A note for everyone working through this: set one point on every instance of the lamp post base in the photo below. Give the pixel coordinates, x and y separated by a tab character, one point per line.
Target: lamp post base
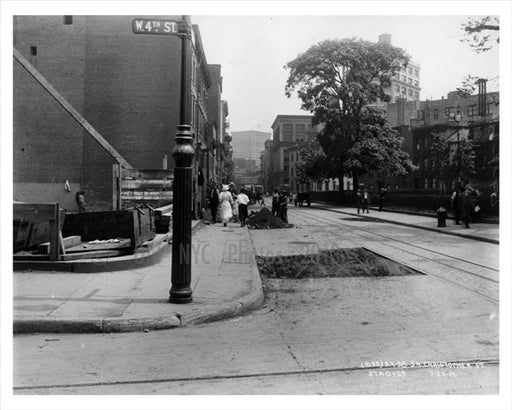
180	296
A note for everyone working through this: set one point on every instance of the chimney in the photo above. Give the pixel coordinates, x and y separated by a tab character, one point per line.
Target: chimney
385	39
482	96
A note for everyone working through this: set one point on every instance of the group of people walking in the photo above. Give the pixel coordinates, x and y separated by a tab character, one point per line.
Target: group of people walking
229	204
465	204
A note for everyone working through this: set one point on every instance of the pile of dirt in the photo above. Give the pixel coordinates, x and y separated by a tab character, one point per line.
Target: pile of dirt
264	219
332	263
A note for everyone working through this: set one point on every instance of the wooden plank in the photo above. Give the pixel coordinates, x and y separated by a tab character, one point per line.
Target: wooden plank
124	243
54	234
159	174
146	184
69	108
116	187
94	254
68	242
25	256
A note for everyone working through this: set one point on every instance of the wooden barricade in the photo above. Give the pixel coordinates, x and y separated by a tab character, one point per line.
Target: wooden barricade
38	223
141	187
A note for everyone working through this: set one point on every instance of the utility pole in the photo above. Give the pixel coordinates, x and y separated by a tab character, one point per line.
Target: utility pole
183	154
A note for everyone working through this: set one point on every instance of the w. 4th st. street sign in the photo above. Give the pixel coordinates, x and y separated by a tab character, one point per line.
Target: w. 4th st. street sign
152	26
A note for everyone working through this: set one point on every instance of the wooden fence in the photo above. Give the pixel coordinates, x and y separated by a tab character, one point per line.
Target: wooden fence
141	187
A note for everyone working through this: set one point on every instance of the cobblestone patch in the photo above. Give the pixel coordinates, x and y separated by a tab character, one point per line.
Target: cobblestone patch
332	263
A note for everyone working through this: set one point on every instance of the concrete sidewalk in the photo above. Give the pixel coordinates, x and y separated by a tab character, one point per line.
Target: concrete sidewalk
225	283
478	231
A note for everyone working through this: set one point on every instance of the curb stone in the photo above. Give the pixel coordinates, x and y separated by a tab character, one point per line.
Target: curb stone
238	307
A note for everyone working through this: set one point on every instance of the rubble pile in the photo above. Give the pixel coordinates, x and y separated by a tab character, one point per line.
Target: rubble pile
264	219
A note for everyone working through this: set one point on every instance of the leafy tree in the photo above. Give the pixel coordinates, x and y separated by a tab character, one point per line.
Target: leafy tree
314	164
450	162
481	33
337	81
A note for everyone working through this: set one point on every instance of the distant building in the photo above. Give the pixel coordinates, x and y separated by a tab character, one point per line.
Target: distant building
249	144
406	83
265	165
417	121
289	133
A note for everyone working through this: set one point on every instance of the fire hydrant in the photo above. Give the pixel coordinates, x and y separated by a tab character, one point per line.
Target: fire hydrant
441	217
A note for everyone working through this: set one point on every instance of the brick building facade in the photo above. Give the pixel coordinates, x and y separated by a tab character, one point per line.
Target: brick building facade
126	85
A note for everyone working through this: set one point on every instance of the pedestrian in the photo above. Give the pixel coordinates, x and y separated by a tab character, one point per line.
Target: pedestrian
226	203
275	203
456	199
466	206
213	200
243	202
365	201
235	207
359	200
80	200
283	206
382	196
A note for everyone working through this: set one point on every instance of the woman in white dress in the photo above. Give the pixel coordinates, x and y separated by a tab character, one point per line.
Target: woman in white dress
226	203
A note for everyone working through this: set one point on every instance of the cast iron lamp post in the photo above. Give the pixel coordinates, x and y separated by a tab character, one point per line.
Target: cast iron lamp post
183	154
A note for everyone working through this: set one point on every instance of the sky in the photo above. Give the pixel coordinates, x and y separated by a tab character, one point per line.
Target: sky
253	50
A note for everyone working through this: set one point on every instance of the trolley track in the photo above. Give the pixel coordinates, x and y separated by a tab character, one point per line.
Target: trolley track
459	273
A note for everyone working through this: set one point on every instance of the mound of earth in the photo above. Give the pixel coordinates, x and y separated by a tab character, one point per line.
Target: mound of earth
264	219
332	263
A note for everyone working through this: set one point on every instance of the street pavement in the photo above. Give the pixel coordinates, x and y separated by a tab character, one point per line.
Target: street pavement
431	333
225	281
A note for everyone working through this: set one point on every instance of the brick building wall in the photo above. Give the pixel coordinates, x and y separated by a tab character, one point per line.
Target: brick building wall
126	85
132	99
47	143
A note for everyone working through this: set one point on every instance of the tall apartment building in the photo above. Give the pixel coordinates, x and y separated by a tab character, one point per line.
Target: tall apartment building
125	83
406	83
249	144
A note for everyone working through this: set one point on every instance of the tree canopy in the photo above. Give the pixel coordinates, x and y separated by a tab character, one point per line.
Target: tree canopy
481	34
338	81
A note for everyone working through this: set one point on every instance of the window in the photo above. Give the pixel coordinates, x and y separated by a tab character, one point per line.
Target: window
403	78
68	20
489	108
416	95
410	92
33	50
418	144
436	113
472	110
448	111
397	88
409	70
416	83
403	90
416	74
409	80
300	132
287	132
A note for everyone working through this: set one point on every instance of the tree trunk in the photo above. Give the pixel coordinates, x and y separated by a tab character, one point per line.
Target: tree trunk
355	178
